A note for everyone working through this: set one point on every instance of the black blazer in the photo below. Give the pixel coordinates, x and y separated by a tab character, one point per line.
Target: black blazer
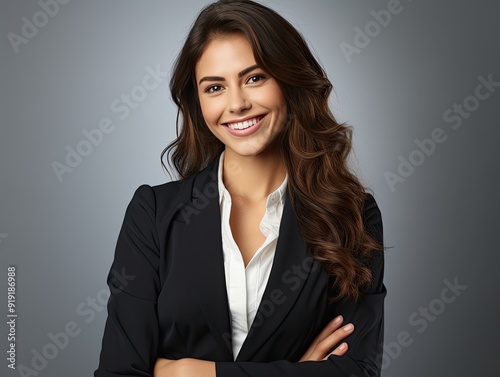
168	293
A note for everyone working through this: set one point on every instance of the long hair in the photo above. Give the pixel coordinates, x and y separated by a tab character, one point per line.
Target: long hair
326	197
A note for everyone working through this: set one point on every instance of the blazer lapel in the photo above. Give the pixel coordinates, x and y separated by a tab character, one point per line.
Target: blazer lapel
290	271
203	244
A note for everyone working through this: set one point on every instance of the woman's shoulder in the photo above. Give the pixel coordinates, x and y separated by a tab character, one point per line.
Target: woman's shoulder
165	198
153	192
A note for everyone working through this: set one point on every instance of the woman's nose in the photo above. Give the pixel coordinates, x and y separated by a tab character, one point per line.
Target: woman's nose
238	101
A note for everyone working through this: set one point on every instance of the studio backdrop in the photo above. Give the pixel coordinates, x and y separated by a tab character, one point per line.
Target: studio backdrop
86	111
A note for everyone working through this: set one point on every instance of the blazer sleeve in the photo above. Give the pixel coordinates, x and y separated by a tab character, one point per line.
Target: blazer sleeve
364	356
130	341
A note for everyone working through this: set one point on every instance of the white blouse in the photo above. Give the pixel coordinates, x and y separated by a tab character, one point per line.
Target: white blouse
245	286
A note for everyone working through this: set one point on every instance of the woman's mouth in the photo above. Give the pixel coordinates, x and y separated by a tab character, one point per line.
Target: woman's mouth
245	124
245	127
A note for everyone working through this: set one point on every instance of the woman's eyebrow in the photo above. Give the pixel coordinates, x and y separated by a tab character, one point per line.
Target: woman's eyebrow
219	78
248	70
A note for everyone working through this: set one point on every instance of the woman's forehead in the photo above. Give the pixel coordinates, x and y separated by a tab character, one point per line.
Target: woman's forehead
225	56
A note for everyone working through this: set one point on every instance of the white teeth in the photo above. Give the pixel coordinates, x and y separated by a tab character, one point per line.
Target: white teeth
243	125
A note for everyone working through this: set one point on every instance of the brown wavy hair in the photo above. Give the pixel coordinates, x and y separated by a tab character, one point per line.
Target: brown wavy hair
326	197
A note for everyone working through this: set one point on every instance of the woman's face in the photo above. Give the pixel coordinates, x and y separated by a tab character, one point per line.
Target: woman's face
242	105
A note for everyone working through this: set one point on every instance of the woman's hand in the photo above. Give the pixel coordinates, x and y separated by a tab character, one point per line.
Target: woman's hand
332	334
164	367
184	368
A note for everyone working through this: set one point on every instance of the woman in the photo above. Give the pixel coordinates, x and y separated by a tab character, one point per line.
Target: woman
265	258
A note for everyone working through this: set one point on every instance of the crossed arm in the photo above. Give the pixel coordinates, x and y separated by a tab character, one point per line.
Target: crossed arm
325	344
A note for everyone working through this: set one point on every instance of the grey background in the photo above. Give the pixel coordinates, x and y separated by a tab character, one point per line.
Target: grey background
441	222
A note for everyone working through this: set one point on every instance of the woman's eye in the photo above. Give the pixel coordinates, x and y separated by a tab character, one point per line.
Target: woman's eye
255	78
213	89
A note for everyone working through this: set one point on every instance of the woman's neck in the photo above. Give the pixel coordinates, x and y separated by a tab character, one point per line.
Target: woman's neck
252	178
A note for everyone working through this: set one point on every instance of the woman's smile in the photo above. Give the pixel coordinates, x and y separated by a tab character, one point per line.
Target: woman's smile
245	127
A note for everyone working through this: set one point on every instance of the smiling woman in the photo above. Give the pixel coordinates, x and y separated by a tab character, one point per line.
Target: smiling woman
280	272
